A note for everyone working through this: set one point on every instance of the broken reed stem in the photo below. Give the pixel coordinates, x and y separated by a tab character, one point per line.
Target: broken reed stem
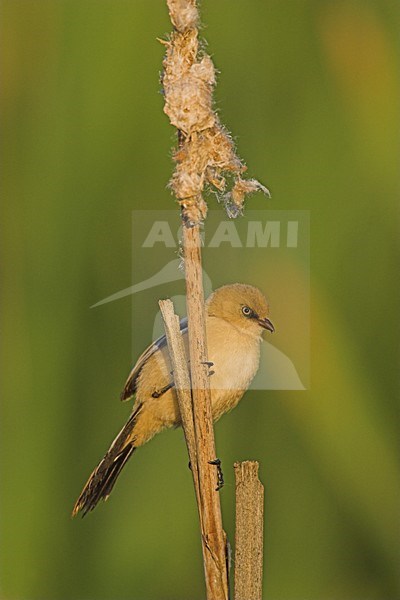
195	408
181	377
249	531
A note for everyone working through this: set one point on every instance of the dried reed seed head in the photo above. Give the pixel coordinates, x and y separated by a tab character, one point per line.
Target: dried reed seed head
206	150
187	84
186	184
194	210
211	148
222	150
183	14
204	70
188	105
234	200
215	179
182	50
243	187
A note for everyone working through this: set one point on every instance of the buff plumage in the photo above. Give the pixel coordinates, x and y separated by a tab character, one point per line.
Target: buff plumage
236	317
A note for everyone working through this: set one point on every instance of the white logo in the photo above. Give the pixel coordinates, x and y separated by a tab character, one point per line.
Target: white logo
272	234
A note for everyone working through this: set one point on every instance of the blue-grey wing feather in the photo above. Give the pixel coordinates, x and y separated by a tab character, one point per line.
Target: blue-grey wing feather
161	342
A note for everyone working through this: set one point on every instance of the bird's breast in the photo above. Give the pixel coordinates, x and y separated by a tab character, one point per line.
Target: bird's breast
235	357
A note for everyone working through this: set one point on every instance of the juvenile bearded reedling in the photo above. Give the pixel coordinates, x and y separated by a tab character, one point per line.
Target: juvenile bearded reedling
236	316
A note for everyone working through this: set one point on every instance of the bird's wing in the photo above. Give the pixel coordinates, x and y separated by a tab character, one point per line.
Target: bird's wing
130	385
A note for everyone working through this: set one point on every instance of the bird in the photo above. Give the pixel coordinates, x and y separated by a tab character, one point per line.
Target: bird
236	316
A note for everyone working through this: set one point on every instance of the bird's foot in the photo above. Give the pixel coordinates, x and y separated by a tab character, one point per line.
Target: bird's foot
158	393
220	475
209	365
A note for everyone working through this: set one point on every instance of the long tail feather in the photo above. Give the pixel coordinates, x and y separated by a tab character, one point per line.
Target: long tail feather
102	480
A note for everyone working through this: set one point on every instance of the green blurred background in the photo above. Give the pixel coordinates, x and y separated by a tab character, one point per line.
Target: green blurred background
309	89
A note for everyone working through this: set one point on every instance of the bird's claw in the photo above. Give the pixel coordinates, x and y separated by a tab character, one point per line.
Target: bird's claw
209	364
220	475
158	393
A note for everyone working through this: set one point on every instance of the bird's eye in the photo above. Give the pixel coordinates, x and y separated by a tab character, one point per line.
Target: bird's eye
246	310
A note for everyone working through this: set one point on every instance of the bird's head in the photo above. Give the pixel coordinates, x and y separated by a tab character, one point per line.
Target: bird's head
244	306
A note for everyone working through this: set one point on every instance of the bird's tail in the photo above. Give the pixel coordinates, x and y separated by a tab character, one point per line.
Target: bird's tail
102	480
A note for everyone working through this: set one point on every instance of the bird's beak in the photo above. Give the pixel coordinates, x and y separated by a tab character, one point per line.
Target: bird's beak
266	324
